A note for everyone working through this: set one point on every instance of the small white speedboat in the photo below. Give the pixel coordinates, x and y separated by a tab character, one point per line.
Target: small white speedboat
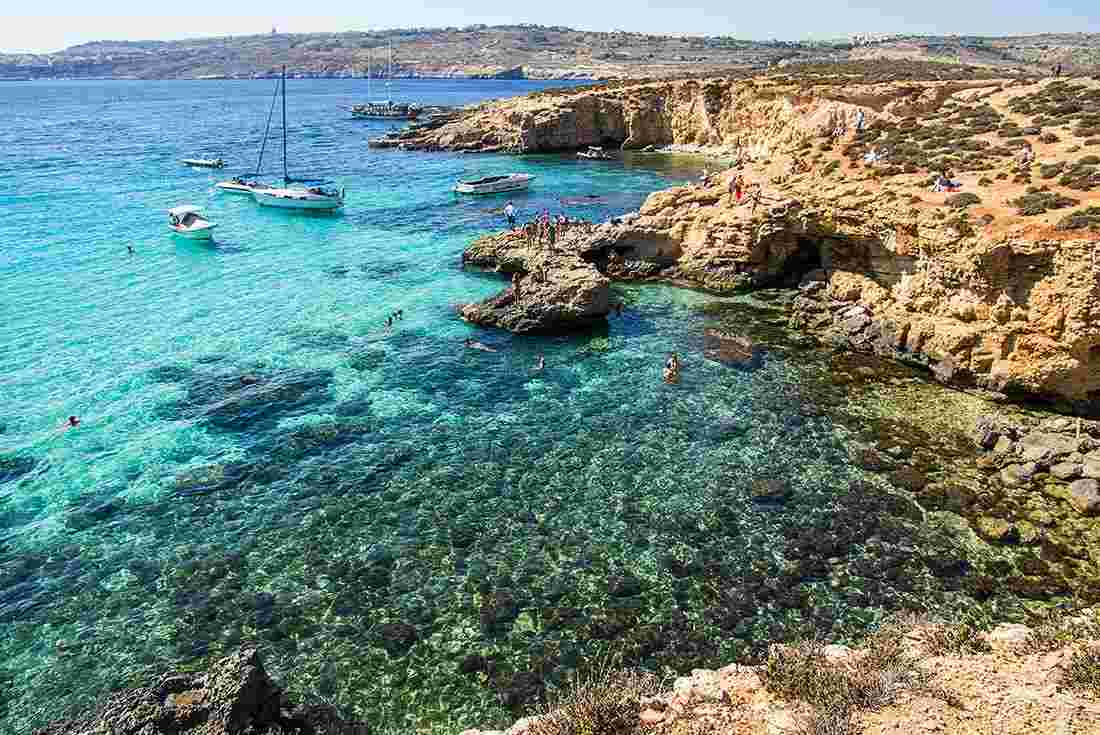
238	185
187	220
596	153
204	162
494	184
300	197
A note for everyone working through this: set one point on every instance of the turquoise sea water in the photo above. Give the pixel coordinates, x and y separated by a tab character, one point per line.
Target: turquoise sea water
416	532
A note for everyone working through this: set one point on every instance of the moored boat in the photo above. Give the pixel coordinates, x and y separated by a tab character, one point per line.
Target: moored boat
300	197
595	153
385	111
388	109
307	193
495	184
187	220
240	185
203	162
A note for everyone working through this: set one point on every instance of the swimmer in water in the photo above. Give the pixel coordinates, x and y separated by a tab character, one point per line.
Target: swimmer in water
70	423
473	345
540	364
130	249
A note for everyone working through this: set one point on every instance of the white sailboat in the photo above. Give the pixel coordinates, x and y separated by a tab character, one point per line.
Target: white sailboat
298	193
248	183
387	110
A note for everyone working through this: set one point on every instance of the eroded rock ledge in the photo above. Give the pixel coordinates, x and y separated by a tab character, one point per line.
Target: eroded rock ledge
235	697
552	291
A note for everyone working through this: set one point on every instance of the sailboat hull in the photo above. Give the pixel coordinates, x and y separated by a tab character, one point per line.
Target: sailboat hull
297	199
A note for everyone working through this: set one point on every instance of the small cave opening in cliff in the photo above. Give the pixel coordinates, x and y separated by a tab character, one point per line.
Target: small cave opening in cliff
807	258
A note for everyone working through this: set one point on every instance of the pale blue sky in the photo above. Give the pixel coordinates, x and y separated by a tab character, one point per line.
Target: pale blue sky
69	22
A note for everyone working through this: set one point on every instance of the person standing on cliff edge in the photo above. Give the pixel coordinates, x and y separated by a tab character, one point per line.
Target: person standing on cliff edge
510	213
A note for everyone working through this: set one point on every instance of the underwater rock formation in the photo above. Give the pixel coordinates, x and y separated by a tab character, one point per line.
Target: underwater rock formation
233	698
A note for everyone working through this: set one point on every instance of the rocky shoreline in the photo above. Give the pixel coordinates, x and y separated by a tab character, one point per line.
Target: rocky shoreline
983	291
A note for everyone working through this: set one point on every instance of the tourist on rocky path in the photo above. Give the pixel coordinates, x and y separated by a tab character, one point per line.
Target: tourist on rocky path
737	184
859	121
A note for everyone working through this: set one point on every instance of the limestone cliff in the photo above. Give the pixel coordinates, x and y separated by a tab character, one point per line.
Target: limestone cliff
997	287
760	116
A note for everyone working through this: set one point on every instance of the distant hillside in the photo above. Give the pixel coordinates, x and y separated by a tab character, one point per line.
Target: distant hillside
514	52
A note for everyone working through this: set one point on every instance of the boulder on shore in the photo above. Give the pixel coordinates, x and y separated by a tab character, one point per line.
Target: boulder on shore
235	697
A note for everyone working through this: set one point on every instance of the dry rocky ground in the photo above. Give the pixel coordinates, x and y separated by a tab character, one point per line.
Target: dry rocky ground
914	678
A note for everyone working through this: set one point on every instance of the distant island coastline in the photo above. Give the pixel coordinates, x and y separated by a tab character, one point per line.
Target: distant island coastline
522	52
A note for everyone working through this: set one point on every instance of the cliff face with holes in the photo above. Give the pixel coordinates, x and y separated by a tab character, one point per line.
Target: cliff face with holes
992	291
878	274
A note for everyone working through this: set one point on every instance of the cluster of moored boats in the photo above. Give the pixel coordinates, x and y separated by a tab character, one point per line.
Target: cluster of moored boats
317	194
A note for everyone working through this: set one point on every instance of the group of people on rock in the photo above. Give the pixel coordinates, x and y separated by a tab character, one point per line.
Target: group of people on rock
546	229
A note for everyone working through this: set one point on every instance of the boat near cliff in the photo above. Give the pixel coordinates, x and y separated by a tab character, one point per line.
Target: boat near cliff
495	184
387	109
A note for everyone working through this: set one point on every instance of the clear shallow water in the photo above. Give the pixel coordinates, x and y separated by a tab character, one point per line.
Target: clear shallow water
412	530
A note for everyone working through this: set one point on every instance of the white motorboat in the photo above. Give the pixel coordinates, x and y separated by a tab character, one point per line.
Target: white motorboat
187	220
300	197
298	193
595	153
204	162
240	185
495	184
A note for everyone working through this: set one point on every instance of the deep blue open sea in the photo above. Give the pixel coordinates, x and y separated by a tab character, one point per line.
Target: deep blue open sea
421	534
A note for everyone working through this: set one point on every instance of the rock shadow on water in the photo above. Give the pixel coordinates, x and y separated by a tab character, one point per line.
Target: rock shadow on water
240	401
318	339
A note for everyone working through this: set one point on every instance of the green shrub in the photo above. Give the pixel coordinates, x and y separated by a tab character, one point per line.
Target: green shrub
1048	138
1050	170
985	181
1039	202
1089	161
962	200
1080	220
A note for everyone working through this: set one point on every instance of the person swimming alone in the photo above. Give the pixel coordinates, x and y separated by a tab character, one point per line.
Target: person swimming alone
474	345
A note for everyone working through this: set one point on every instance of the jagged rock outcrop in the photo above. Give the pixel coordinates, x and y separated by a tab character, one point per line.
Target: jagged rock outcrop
879	274
552	291
235	697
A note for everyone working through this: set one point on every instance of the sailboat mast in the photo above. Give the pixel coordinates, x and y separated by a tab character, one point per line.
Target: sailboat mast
369	98
267	129
286	176
389	74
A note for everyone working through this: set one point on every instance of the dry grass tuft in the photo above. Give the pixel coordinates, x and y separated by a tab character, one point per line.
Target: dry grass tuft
837	691
1083	672
958	639
605	701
